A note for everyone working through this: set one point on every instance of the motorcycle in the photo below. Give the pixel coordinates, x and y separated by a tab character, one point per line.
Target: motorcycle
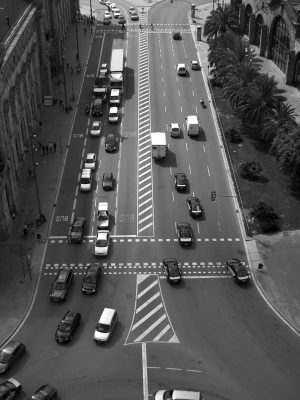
203	105
87	109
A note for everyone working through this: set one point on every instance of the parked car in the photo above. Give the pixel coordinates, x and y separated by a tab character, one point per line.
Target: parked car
61	284
102	243
10	389
107	180
177	395
194	206
44	392
91	279
181	181
103	69
77	230
67	327
172	270
184	233
9	354
110	143
237	270
90	161
177	36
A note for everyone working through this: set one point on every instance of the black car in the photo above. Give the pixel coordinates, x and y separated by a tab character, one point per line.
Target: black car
10	389
9	354
172	270
184	233
181	181
45	392
67	327
110	143
107	180
61	284
177	36
194	206
122	20
91	279
77	229
238	270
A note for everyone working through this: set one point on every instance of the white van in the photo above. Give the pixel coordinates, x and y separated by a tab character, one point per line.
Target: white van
115	97
192	125
86	180
106	324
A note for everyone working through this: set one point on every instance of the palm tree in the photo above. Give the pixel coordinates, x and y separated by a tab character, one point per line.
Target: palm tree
233	92
219	21
260	99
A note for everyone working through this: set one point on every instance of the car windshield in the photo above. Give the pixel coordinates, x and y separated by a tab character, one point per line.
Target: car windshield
167	395
90	279
113	115
4	356
59	286
89	160
85	180
76	229
102	328
65	326
101	243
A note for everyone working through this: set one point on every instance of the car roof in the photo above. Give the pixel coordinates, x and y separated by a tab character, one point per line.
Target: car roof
107	174
181	65
11	346
102	234
113	109
114	91
62	274
96	123
93	267
78	220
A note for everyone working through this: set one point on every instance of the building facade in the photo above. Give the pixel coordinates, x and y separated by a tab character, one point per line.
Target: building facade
30	34
274	27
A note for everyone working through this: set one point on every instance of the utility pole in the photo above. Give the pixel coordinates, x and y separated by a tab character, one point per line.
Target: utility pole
91	10
64	75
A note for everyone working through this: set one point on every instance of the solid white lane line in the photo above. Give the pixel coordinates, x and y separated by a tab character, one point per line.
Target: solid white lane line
145	372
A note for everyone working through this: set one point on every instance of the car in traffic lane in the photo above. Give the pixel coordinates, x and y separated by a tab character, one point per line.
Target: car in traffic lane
61	284
172	270
91	279
184	233
194	206
181	181
90	161
67	327
237	270
177	395
77	229
96	128
10	389
110	143
44	392
102	243
107	180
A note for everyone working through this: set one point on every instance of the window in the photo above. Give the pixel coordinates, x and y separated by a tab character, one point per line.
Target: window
280	44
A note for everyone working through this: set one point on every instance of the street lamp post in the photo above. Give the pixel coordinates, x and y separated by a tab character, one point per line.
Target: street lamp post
91	10
64	75
34	172
76	30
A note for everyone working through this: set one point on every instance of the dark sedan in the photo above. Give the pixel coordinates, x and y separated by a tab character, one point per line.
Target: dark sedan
67	327
9	354
110	143
91	279
45	392
237	270
172	270
181	181
77	229
10	389
61	284
107	180
194	206
184	233
177	36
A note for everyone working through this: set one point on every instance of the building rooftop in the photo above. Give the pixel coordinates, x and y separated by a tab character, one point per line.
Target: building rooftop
10	12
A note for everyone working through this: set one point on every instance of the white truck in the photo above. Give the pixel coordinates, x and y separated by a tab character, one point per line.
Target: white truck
159	145
116	69
102	216
192	125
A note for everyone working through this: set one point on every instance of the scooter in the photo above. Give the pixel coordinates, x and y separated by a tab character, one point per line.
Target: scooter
87	110
203	105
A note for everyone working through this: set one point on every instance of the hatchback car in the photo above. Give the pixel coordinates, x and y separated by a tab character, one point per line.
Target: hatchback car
10	389
194	206
181	181
91	279
61	284
172	270
107	15
45	392
237	270
107	20
96	128
181	69
116	12
90	161
67	327
134	16
177	395
102	243
77	230
195	65
174	129
110	143
107	180
184	233
131	10
122	20
177	36
113	115
112	6
103	69
9	354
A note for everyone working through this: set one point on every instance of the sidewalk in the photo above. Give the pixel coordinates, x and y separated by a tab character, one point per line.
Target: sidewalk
18	279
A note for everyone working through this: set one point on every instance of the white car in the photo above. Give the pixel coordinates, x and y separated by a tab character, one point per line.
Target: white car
96	128
134	16
90	161
116	13
107	15
181	69
175	130
112	6
113	115
103	69
102	243
177	394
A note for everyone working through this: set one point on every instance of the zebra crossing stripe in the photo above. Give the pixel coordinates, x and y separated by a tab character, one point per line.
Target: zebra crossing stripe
151	328
142	320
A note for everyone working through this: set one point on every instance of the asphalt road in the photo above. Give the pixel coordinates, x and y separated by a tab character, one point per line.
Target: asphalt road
206	333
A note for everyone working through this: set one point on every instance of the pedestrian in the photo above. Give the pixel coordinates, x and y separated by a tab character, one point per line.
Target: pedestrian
25	229
84	30
72	70
29	172
67	66
54	146
47	149
91	30
141	27
77	57
43	149
60	103
50	146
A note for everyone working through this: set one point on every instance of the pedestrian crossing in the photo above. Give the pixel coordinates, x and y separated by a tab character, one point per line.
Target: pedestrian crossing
188	269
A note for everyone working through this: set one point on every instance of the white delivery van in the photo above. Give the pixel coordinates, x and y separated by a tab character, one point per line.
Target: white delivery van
86	180
106	324
115	99
192	125
159	145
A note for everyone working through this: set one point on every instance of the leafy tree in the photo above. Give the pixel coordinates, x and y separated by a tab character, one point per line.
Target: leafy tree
220	20
260	99
266	216
250	169
233	135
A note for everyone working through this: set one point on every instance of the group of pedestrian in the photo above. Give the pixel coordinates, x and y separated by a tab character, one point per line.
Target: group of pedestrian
48	148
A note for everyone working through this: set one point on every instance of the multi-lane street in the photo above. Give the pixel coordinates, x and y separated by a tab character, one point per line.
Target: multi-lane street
206	333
